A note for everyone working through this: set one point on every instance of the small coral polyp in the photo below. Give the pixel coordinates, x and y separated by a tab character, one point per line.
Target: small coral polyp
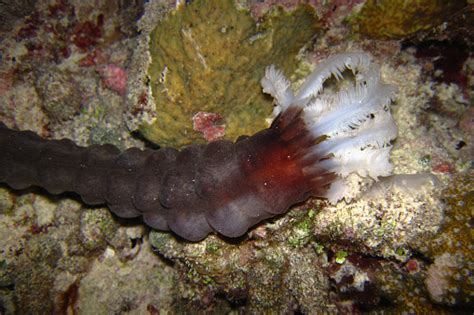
355	121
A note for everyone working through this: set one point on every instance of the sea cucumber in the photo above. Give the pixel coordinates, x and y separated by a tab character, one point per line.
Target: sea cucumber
316	141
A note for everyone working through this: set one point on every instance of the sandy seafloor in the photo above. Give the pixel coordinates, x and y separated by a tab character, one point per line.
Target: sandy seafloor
69	69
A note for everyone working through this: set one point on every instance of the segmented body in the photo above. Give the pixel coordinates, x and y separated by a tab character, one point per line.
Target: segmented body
223	186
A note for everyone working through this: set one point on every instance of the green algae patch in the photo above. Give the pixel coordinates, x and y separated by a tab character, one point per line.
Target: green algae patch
209	56
395	19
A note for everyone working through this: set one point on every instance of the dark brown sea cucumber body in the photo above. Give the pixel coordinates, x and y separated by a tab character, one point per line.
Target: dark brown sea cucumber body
224	187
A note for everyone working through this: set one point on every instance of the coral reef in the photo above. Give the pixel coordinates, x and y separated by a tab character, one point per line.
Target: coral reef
408	253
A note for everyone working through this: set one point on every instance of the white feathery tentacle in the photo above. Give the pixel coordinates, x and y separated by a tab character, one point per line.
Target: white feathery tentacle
350	113
355	120
277	85
376	136
334	65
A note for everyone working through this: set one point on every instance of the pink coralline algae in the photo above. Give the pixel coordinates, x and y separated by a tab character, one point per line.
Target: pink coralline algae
94	58
209	125
412	266
114	77
444	167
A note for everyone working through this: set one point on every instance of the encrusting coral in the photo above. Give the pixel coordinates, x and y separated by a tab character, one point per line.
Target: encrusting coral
198	66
